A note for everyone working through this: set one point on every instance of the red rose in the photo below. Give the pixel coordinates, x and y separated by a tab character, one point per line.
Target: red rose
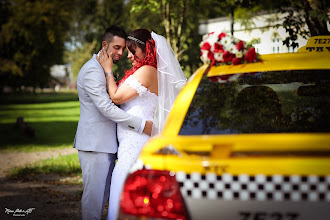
218	48
250	55
206	46
221	35
240	45
237	61
210	55
227	56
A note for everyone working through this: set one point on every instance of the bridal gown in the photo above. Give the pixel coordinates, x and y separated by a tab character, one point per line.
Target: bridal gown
130	142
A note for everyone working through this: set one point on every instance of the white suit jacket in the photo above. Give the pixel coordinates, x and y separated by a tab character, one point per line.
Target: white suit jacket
96	129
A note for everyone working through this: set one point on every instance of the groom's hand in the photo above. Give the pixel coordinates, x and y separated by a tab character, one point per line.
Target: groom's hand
148	128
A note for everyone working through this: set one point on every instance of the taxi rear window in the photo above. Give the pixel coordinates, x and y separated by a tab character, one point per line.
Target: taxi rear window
262	102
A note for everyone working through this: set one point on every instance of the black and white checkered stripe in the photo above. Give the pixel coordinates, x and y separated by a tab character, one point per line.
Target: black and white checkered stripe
257	187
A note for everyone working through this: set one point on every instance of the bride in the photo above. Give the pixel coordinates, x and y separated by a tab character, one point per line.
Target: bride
147	90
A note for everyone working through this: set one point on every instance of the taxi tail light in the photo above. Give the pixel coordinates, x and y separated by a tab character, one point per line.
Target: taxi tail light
153	194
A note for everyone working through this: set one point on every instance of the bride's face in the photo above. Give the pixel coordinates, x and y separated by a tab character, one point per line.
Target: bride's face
133	57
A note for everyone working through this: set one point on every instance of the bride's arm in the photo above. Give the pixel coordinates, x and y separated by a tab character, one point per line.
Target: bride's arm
145	76
118	95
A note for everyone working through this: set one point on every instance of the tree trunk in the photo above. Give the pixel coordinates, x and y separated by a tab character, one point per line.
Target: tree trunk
166	19
232	22
179	30
173	25
315	25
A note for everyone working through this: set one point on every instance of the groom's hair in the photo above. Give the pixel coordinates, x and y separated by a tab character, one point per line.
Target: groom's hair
113	31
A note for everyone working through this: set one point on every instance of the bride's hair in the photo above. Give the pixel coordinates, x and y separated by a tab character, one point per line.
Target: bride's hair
139	35
141	38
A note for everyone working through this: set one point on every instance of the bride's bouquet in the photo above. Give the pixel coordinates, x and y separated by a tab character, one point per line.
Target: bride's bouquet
222	48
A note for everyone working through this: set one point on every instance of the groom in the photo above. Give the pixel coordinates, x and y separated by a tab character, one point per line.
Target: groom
96	139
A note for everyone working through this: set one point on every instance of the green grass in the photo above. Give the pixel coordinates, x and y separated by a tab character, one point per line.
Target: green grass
53	116
29	98
67	165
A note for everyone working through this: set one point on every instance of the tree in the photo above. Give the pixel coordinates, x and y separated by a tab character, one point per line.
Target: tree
89	21
232	9
231	5
313	13
32	39
299	14
172	14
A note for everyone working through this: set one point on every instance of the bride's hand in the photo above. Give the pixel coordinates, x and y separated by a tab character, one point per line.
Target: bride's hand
105	61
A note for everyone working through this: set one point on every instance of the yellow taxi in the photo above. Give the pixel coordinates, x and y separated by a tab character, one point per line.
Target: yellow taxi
247	142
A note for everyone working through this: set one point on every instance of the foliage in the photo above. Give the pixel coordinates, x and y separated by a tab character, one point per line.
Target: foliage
79	56
243	15
301	13
238	10
33	33
90	20
32	39
172	15
180	20
303	18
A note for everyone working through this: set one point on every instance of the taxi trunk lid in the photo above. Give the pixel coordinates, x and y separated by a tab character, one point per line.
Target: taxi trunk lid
260	176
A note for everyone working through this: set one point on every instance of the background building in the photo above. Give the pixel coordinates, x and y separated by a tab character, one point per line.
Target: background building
263	33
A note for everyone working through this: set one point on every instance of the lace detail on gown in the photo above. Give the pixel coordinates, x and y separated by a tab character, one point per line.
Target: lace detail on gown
144	105
136	85
130	142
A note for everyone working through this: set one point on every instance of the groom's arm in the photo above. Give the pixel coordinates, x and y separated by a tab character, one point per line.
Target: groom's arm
95	86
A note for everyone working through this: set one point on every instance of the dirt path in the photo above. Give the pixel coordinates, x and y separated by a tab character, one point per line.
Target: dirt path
9	160
44	200
39	197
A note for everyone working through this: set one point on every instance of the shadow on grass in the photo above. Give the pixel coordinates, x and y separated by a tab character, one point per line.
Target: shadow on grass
35	108
49	134
28	98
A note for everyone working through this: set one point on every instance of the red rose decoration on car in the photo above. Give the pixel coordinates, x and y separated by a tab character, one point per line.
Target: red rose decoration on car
237	61
250	55
206	46
221	48
221	35
227	56
210	55
240	45
218	48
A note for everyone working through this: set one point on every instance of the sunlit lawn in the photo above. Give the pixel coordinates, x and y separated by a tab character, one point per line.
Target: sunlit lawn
61	165
53	116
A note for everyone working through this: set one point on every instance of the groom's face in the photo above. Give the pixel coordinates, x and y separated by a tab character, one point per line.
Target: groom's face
117	47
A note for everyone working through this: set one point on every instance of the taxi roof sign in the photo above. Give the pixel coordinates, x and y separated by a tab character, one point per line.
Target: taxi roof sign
316	44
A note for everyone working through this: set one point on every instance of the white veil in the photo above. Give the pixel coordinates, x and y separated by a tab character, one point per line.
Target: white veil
171	79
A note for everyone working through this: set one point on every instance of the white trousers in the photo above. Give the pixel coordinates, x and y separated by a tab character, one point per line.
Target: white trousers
96	173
